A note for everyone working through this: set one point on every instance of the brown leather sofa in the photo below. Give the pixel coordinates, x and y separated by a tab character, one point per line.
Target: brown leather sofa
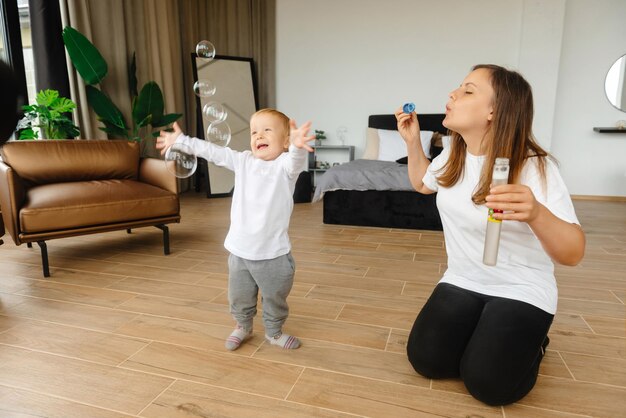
53	189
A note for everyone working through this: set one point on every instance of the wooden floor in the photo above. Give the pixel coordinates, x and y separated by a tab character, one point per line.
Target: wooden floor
122	330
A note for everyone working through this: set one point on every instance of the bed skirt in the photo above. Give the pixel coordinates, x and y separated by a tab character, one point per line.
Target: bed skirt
386	209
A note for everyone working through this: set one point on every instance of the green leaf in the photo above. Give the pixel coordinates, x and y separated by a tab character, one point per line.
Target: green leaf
149	104
63	105
46	97
114	131
132	77
145	122
28	134
85	56
104	108
166	120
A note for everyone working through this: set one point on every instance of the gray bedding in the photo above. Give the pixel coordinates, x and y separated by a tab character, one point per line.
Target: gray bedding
363	175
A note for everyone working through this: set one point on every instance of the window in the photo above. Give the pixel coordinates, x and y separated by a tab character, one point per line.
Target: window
27	49
11	38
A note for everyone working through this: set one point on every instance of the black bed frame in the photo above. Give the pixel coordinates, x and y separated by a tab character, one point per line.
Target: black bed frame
387	209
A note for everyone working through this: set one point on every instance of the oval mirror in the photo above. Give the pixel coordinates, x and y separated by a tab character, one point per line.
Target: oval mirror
615	84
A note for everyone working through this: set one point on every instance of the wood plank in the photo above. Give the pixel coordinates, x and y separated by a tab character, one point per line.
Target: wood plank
592	344
521	411
575	397
607	326
83	316
77	277
386	317
591	307
212	313
369	397
157	273
99	347
397	341
186	333
81	381
226	370
342	280
376	364
77	294
22	403
364	297
603	370
169	289
186	399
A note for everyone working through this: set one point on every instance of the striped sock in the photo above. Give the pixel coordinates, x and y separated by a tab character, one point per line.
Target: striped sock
238	336
283	340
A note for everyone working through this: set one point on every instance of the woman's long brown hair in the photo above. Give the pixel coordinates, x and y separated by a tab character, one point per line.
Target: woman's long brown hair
509	134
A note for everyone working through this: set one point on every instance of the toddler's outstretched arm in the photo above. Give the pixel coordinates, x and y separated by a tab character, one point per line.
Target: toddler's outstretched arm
221	156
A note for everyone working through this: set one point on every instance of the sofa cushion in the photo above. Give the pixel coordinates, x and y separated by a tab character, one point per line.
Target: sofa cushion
54	161
69	205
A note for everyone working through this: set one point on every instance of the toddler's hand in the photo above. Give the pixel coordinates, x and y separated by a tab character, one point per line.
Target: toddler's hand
167	139
300	136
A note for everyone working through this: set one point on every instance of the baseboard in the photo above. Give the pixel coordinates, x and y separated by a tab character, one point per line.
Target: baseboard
599	198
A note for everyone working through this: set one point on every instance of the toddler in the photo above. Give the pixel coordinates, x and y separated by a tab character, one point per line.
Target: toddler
260	251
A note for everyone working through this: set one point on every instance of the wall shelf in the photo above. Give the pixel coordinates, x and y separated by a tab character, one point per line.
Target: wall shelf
609	130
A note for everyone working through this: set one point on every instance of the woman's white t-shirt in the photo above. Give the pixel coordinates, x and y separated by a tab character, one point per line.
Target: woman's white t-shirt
523	271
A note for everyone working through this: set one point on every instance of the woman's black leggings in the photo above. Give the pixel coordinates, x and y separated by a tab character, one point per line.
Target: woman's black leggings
493	344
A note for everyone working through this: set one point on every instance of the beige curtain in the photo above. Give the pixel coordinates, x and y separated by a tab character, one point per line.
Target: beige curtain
150	29
163	34
244	28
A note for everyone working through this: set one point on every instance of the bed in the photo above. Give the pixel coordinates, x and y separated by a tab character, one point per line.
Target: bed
371	192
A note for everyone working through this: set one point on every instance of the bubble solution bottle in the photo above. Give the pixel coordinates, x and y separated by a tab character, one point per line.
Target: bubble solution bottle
492	234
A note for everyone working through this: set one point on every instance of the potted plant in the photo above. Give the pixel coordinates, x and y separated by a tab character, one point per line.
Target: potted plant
48	115
147	105
319	136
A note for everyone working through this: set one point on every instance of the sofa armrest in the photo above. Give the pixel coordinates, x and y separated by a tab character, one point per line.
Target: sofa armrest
12	196
153	171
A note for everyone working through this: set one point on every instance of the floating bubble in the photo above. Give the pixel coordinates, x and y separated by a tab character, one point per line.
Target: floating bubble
214	112
204	88
205	50
218	133
180	160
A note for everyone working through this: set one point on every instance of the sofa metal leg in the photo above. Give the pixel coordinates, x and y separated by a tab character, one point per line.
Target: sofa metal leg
29	244
44	258
166	238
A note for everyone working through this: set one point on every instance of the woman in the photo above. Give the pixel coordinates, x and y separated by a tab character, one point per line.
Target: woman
489	325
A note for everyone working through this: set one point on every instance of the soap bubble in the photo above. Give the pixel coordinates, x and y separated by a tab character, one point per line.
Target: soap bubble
180	160
205	50
214	112
218	133
204	88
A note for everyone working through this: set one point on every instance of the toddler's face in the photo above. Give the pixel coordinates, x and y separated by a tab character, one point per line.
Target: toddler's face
268	139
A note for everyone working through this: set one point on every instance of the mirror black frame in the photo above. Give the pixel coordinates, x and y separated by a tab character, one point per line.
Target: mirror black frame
203	169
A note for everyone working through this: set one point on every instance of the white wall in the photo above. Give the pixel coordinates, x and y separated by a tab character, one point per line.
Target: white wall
594	36
339	61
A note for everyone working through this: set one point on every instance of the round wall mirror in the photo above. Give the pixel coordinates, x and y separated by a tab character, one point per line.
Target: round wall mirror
615	84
